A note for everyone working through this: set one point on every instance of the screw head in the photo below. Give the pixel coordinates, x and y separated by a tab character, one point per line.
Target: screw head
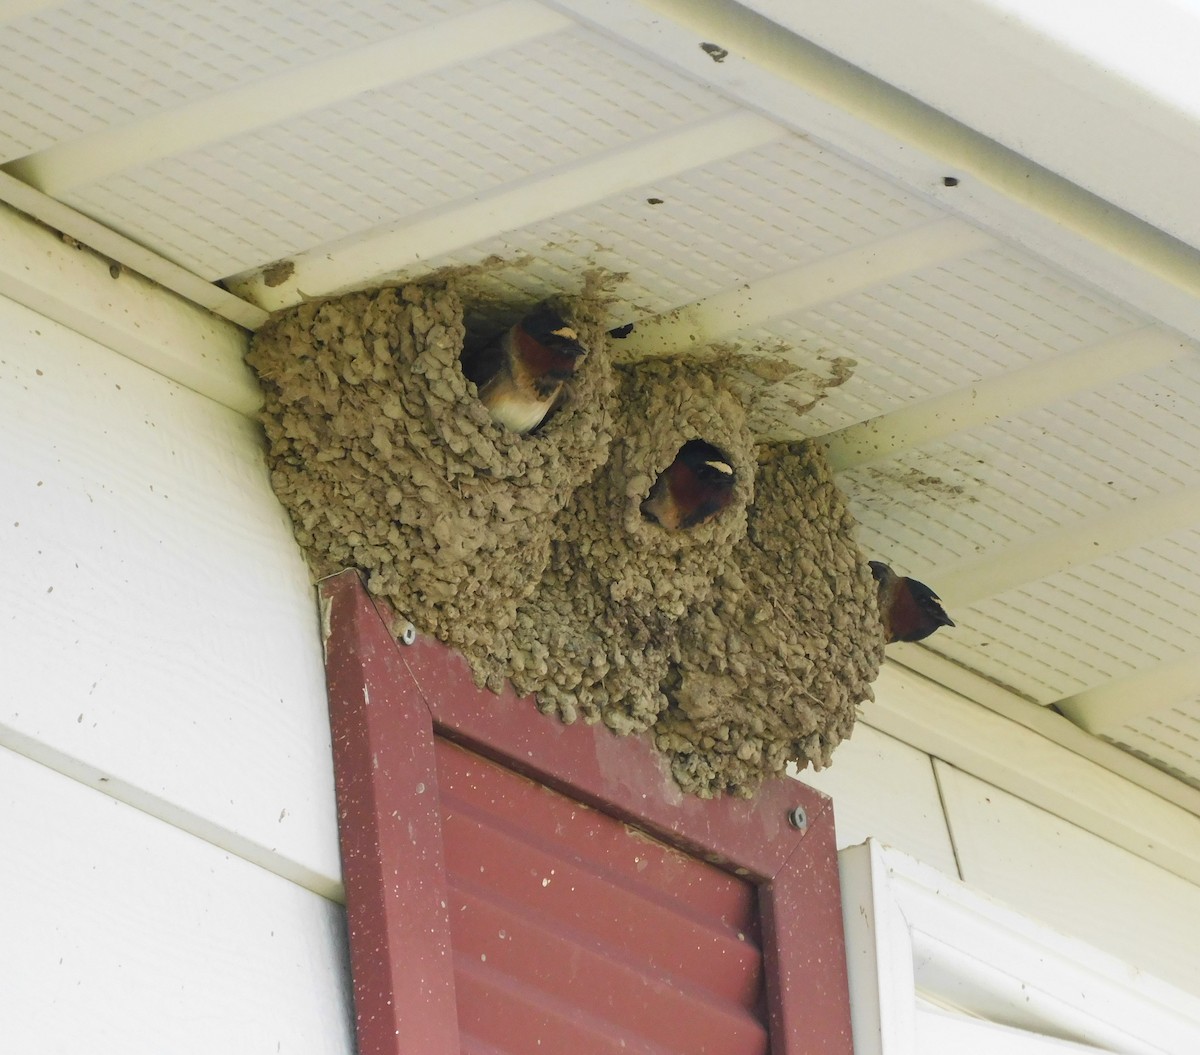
798	818
408	635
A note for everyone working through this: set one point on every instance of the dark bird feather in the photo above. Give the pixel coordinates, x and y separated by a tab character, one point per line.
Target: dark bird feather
524	375
695	487
909	609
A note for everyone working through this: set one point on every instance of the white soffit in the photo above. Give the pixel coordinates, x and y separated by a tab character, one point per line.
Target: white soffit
1004	366
387	154
1120	77
87	65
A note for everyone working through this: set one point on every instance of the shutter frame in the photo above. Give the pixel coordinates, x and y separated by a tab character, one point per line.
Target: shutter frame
388	702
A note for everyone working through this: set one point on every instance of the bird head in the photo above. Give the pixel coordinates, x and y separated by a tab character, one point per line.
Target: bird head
882	572
909	610
552	331
709	463
696	486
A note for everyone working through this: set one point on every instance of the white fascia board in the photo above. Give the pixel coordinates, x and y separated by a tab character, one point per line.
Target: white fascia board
807	88
1106	94
125	312
978	741
129	253
1045	722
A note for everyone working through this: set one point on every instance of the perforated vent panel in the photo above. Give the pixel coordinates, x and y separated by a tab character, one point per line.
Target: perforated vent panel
93	63
387	155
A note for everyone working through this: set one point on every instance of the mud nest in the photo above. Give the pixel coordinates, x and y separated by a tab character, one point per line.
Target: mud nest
772	669
741	645
387	461
595	641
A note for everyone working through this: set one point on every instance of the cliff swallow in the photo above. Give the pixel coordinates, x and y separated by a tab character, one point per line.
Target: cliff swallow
910	610
523	374
695	487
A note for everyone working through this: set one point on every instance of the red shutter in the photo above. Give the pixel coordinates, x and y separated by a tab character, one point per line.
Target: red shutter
517	886
573	932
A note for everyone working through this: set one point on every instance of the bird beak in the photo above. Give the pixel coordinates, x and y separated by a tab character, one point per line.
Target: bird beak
721	467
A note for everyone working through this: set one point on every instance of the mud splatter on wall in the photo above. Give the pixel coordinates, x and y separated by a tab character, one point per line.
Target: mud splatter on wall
742	644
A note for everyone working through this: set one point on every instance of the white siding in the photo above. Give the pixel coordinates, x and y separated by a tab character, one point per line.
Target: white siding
161	634
884	789
1072	880
161	646
124	934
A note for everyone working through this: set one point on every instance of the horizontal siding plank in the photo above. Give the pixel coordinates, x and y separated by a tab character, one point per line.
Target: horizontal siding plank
1072	880
161	632
124	935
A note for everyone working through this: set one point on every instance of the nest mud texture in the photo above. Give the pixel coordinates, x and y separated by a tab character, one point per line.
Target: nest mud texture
771	671
595	642
741	645
387	461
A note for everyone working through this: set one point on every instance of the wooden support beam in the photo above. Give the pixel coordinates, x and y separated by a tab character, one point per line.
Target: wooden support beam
1105	708
361	261
728	313
1001	397
60	168
1082	542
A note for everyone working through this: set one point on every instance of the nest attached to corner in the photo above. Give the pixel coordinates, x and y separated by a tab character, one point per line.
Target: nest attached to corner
743	644
772	670
596	640
386	460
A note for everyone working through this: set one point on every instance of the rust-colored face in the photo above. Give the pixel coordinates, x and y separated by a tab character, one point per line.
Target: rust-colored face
694	488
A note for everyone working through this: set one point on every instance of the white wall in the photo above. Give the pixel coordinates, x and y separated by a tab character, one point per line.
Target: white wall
1047	868
169	874
169	877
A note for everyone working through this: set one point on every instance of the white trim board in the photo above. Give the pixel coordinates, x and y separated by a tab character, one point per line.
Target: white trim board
1022	71
912	932
1046	723
127	313
143	261
1033	768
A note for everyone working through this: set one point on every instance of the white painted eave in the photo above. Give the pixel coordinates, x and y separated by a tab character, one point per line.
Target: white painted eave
1105	94
125	312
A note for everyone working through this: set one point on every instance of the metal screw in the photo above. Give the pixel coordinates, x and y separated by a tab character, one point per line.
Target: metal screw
798	818
408	635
